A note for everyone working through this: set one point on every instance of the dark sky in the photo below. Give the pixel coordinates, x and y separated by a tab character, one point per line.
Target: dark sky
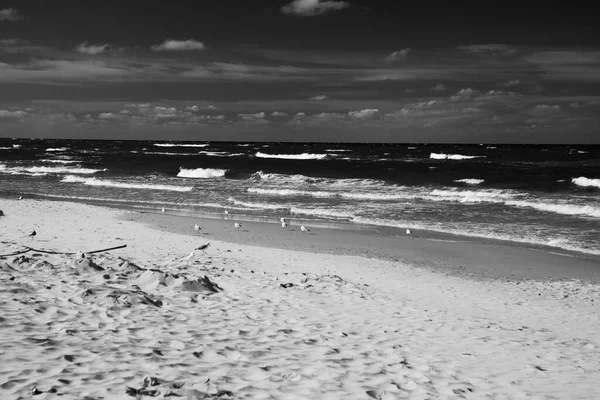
295	70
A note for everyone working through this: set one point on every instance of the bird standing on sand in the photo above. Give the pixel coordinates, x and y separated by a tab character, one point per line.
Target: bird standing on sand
20	197
283	224
196	227
282	219
408	232
32	233
237	225
203	247
303	228
225	212
162	209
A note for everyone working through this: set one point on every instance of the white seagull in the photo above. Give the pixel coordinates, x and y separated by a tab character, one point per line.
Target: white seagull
408	232
32	233
226	212
196	227
283	224
282	219
237	225
162	209
303	228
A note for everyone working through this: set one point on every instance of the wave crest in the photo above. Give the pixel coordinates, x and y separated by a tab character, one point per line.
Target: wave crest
201	173
124	185
442	156
303	156
586	182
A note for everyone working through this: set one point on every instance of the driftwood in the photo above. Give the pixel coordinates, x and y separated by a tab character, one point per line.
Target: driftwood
27	249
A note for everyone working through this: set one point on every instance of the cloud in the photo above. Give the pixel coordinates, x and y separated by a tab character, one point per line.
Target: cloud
193	108
319	97
364	114
179	45
488	48
91	49
463	94
278	114
12	114
513	82
397	55
107	115
542	108
440	87
252	117
10	14
310	8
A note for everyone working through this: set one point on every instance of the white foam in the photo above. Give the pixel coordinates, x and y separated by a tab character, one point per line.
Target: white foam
303	156
263	206
586	182
124	185
565	209
220	153
179	145
203	173
59	161
470	181
442	156
57	149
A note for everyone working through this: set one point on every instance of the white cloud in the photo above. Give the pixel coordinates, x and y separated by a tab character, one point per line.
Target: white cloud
165	110
278	114
179	45
212	107
490	48
329	116
107	115
309	8
463	94
10	14
252	117
513	82
546	108
139	105
440	87
91	49
193	108
319	97
12	114
397	55
364	114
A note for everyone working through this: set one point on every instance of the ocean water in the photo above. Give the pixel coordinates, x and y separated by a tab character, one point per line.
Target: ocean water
536	195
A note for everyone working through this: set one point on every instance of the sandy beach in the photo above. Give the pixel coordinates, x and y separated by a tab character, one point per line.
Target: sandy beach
267	312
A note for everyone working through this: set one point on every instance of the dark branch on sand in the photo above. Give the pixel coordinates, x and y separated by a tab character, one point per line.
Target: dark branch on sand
59	252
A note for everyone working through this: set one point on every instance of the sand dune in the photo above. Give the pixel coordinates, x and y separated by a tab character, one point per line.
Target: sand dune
244	322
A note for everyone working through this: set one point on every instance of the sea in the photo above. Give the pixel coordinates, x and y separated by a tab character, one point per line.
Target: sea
540	196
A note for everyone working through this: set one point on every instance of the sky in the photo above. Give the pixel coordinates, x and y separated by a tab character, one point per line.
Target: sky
300	70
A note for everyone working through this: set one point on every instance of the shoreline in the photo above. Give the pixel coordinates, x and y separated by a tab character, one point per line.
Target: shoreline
442	254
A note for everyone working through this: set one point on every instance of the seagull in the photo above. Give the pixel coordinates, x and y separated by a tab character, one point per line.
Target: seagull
237	225
282	219
226	212
196	227
408	231
283	224
32	233
203	248
162	209
303	228
21	198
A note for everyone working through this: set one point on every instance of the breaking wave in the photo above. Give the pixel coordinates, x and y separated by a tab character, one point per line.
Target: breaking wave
470	181
179	145
303	156
586	182
57	149
124	185
442	156
201	173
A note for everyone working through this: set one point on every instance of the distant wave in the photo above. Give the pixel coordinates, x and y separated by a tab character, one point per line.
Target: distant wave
60	161
6	148
264	206
220	153
17	171
48	170
442	156
337	150
57	149
201	173
303	156
179	145
470	181
586	182
124	185
260	176
557	208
